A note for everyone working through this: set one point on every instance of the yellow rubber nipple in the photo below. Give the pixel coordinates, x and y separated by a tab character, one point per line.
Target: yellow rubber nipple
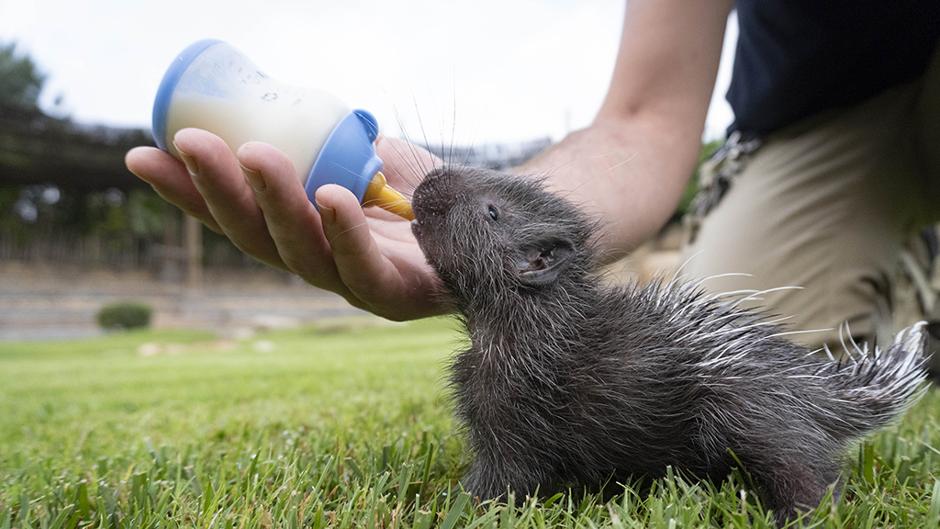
380	194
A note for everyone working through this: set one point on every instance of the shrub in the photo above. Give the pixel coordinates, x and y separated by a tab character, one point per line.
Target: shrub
124	315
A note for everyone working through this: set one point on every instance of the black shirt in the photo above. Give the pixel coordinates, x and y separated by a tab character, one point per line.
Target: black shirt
798	57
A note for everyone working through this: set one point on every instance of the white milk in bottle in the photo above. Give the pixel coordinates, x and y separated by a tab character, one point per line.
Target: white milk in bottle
226	94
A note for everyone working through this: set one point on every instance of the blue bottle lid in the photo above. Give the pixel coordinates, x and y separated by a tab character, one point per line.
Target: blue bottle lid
348	156
161	104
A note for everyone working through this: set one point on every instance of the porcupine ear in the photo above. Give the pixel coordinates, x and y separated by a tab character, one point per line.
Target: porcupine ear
540	263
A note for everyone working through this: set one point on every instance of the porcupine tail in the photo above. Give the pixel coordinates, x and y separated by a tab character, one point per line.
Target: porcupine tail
870	388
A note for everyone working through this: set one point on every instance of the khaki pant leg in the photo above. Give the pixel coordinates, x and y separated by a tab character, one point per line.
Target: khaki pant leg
824	205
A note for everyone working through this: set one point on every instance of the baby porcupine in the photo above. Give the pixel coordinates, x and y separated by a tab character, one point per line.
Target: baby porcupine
570	383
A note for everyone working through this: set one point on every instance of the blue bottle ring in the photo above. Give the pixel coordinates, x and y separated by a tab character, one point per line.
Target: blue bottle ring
348	156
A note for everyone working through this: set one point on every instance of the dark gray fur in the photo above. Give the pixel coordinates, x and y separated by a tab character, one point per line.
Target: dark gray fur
569	383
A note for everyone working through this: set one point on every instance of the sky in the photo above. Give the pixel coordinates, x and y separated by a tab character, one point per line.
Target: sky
465	72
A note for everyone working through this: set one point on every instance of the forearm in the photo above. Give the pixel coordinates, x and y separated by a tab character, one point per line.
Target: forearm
630	166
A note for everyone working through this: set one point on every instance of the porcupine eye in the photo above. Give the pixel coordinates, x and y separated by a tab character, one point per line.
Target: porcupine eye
493	212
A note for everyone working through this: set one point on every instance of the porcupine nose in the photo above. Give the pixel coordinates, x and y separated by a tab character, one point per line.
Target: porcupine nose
436	194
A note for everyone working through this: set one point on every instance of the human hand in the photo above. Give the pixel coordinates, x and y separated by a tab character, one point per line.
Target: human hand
256	199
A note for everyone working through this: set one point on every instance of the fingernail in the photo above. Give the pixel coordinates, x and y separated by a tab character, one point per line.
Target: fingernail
326	213
254	178
191	166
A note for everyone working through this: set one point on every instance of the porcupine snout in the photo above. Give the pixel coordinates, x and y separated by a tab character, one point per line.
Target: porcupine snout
437	193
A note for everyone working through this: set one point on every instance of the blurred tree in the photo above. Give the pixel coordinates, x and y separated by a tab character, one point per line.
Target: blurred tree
20	78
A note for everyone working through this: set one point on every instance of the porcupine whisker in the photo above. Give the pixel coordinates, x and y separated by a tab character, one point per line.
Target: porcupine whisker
414	163
412	176
420	121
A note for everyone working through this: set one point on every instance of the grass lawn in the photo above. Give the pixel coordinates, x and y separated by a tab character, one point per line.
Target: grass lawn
333	428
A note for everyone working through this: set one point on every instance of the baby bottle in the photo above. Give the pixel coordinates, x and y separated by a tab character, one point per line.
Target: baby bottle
212	86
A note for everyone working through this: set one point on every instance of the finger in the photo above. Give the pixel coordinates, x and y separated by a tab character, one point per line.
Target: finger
292	220
168	177
359	261
219	179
